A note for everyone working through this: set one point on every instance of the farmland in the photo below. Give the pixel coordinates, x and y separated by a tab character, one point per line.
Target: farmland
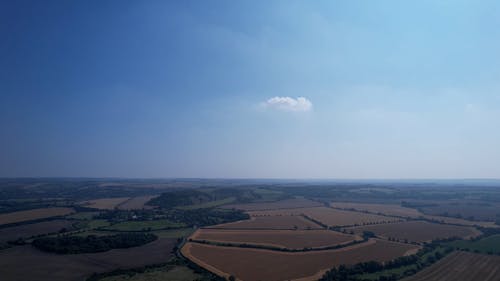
37	265
384	209
471	210
282	204
329	216
34	214
170	273
143	225
209	204
292	239
488	245
461	266
105	203
285	232
135	203
274	266
333	217
399	211
34	229
271	222
418	231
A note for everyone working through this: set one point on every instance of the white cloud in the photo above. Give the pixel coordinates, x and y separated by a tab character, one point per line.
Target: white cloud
299	104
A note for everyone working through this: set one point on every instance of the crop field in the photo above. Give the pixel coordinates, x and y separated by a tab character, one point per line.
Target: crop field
174	233
333	217
209	204
136	203
28	263
486	245
461	221
278	212
29	230
143	225
271	222
471	211
82	215
283	204
418	231
292	239
385	209
461	266
104	203
34	214
397	210
329	216
176	273
256	264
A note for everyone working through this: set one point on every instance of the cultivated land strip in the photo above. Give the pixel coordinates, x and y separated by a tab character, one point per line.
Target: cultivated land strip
461	266
291	239
258	264
397	211
34	214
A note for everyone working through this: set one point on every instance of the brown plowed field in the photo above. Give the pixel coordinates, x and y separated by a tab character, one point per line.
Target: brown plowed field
397	210
34	214
329	216
104	203
271	222
279	212
461	266
386	209
136	203
25	263
256	264
28	230
283	204
292	239
461	221
418	231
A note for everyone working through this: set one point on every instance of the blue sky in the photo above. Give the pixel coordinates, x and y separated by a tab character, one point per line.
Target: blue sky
250	89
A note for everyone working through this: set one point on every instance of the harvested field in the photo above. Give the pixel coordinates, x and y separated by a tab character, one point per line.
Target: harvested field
467	210
271	222
461	266
291	239
418	231
105	203
461	221
385	209
136	203
25	263
256	264
29	230
34	214
283	204
279	212
166	273
397	210
333	217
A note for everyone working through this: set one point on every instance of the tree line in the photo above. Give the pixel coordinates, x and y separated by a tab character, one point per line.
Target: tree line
92	243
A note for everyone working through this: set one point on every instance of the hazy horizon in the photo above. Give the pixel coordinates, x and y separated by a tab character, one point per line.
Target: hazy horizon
332	90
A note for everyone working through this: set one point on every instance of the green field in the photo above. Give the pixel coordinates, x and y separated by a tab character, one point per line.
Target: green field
486	245
144	225
171	273
210	204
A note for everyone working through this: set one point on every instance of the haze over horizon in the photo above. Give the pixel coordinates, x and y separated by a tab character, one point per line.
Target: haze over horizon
250	89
